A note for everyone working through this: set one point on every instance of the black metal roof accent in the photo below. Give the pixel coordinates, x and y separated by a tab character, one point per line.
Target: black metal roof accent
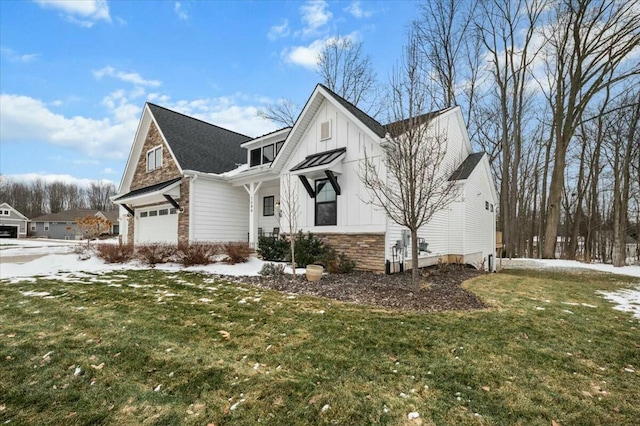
147	189
468	165
319	159
198	145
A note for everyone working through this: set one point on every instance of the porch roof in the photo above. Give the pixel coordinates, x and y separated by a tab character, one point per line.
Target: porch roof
319	159
148	190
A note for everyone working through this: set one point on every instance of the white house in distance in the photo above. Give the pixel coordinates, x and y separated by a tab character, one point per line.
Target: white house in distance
13	224
187	180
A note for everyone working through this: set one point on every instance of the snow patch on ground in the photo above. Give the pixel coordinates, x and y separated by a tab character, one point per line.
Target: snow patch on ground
626	300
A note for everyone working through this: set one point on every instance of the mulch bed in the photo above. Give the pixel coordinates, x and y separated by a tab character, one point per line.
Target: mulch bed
440	289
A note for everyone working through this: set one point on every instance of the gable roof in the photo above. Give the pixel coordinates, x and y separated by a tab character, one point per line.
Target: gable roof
9	206
468	165
364	118
198	145
71	215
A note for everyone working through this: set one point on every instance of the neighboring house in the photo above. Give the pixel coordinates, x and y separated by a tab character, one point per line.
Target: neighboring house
13	224
172	197
62	225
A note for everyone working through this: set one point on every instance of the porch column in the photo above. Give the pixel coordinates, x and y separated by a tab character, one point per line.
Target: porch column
252	189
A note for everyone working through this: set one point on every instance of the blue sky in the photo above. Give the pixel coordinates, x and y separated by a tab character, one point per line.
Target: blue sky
75	74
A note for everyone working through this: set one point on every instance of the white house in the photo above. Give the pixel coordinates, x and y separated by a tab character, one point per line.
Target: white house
13	224
214	199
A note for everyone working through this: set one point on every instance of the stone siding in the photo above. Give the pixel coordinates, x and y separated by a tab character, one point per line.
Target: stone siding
169	170
367	250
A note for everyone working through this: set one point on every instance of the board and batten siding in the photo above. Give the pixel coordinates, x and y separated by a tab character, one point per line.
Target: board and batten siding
354	214
267	223
219	211
445	232
480	231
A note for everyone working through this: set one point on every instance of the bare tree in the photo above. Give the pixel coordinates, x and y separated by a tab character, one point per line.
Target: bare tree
290	210
412	184
284	112
347	71
587	46
98	195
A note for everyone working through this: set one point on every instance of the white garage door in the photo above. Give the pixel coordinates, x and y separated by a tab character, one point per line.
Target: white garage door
157	224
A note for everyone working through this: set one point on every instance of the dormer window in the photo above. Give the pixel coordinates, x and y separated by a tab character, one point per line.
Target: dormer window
264	155
154	158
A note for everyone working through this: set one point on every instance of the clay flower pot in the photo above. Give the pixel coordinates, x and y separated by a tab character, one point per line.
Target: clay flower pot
314	272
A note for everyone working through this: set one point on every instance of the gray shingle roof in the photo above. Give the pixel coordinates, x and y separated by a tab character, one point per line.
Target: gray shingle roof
199	145
365	118
468	165
69	215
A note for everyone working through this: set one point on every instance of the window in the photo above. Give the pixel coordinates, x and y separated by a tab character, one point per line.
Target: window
255	157
279	147
143	214
173	211
153	213
325	130
268	206
33	226
491	208
163	212
46	226
326	203
267	154
4	212
154	158
264	155
486	205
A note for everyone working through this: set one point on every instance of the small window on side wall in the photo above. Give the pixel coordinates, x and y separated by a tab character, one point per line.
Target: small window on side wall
486	205
268	206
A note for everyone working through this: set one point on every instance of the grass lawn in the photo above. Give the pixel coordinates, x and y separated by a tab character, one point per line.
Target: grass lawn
182	348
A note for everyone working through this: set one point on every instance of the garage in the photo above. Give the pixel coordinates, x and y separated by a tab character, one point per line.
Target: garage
8	231
158	224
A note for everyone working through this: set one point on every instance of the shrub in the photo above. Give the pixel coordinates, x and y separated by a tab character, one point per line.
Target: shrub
196	253
337	263
115	253
272	269
309	249
237	252
154	253
276	249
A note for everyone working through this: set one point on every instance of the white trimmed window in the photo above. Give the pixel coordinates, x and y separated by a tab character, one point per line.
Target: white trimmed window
33	226
4	212
154	158
46	226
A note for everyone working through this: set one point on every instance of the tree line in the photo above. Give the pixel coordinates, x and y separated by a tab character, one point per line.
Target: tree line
550	89
37	197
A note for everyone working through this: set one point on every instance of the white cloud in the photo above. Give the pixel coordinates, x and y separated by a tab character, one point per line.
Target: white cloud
14	56
226	112
109	171
279	31
50	178
80	12
356	10
128	77
28	119
307	56
314	15
177	7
